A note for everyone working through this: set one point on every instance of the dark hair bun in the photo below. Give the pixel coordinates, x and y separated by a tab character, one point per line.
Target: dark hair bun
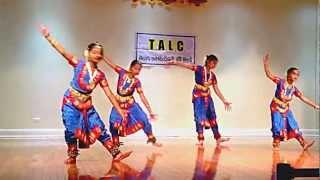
93	45
212	57
134	62
291	69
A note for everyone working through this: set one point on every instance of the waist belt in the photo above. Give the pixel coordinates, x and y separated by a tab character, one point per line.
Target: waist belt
279	102
201	87
124	99
78	95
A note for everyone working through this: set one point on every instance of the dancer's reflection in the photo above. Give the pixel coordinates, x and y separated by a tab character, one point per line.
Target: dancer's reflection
118	170
298	163
207	169
73	174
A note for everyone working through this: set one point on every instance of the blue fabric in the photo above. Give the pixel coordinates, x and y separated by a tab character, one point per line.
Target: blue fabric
203	112
199	129
135	115
278	123
77	70
289	91
73	119
126	85
199	75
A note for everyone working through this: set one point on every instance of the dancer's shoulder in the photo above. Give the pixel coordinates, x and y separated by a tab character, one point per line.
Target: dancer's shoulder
297	92
198	67
278	80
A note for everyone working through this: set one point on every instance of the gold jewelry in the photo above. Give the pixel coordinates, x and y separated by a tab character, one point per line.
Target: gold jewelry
52	41
205	74
92	75
78	95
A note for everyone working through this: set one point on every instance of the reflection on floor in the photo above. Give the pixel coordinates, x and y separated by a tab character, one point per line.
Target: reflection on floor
179	158
118	170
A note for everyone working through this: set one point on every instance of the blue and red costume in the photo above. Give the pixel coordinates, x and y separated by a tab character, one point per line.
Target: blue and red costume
203	106
82	122
136	118
284	124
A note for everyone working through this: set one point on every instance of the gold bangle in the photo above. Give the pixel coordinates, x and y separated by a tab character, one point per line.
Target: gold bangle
52	42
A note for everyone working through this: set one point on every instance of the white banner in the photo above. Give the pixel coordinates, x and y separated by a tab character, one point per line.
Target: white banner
157	49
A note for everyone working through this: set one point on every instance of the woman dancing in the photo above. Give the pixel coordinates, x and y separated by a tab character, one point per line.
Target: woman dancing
136	118
82	122
203	106
284	124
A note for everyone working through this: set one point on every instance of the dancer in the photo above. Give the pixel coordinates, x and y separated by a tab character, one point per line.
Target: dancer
284	124
136	118
203	106
82	122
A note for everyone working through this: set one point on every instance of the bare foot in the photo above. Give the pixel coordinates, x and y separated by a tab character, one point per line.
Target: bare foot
308	145
221	140
157	144
70	160
276	148
276	145
200	143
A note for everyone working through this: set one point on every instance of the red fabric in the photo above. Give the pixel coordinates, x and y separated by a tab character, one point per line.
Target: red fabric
276	79
83	85
130	130
297	92
89	138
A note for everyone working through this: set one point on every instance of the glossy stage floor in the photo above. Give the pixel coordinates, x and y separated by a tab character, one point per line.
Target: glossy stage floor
179	158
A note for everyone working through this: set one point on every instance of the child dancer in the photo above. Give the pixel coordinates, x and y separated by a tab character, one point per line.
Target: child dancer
136	118
82	122
203	106
284	125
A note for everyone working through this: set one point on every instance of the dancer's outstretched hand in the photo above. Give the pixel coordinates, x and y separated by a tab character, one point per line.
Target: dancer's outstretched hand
44	30
153	117
317	107
227	106
266	59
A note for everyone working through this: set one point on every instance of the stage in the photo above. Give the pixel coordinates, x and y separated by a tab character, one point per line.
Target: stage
179	158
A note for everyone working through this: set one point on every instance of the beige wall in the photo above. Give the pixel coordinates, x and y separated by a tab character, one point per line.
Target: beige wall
34	77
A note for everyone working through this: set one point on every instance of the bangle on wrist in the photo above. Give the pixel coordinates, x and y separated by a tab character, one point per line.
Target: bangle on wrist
52	41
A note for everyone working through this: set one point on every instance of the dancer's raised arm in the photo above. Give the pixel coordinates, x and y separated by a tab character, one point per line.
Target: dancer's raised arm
72	60
112	65
266	65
